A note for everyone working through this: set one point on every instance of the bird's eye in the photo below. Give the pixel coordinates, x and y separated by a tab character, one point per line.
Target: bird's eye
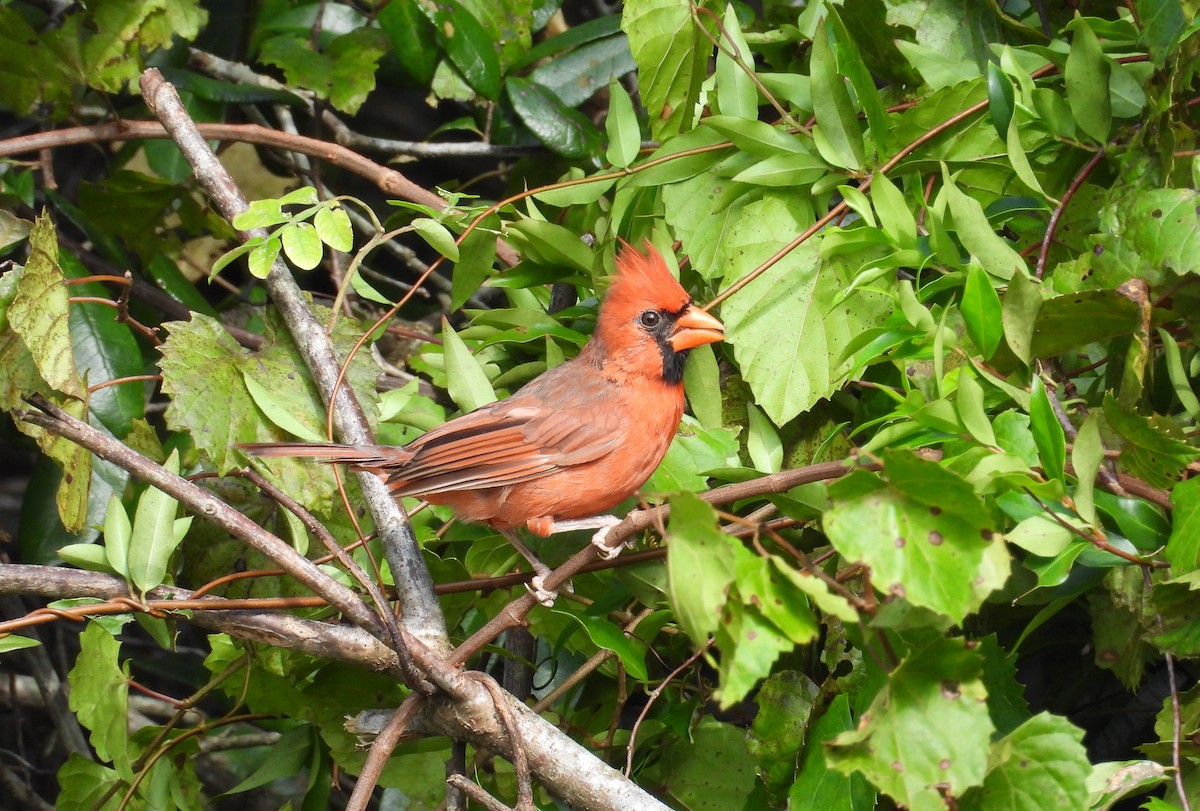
650	318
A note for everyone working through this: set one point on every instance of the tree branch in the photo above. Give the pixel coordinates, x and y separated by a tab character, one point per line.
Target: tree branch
421	615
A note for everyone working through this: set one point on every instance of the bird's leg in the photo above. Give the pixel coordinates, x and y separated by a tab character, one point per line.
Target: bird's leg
604	523
541	571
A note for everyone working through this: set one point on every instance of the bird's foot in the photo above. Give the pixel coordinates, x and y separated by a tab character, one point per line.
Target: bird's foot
537	587
599	540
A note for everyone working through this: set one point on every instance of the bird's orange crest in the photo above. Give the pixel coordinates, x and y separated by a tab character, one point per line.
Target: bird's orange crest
643	281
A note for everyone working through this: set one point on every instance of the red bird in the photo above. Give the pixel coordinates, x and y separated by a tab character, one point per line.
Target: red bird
575	441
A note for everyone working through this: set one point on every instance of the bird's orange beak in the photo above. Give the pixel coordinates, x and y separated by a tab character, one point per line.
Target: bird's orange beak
694	328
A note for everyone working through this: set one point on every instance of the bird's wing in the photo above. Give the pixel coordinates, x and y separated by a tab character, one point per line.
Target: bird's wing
513	441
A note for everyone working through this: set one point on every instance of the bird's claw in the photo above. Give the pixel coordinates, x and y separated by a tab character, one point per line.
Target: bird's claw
545	596
599	540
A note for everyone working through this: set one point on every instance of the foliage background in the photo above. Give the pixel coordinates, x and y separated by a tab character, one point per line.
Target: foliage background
954	245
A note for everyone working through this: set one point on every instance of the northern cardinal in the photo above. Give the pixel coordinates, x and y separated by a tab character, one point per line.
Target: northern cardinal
575	441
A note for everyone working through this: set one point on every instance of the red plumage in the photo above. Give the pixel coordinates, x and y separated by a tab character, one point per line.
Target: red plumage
575	441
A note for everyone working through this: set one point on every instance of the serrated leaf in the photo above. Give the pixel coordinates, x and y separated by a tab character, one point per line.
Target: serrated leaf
39	312
921	529
817	786
749	646
260	214
99	696
926	732
1040	764
701	565
787	336
672	55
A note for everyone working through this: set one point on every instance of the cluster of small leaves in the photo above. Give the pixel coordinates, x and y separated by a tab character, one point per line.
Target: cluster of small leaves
991	320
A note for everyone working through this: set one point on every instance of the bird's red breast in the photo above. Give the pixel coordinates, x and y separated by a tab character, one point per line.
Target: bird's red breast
576	440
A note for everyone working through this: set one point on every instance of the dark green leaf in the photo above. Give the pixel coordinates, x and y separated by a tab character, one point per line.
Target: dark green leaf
1047	432
565	130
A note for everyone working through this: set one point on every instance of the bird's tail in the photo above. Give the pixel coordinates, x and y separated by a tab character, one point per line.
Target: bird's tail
358	456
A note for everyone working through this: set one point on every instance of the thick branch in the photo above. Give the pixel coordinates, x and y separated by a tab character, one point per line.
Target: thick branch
421	615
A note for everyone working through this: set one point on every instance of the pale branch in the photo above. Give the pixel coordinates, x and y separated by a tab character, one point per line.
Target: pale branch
465	713
420	614
387	180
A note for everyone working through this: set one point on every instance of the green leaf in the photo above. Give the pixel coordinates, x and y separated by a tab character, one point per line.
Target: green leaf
565	130
970	408
786	169
749	646
288	415
260	214
1086	79
981	311
701	565
105	350
1078	319
817	786
926	732
438	237
756	137
851	64
287	757
13	642
838	135
709	770
621	124
1041	535
1000	99
762	442
702	382
1022	302
607	636
334	227
87	556
1040	764
39	312
1155	450
1180	383
895	217
785	705
468	384
117	535
672	55
994	253
551	244
1086	456
1183	548
85	783
474	264
154	538
574	77
262	257
922	530
1047	432
99	696
786	334
736	94
1163	23
302	244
